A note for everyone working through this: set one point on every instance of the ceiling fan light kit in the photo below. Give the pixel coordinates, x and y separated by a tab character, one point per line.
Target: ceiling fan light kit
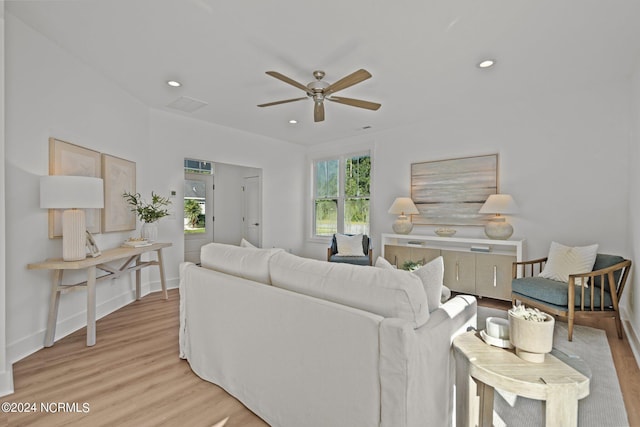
319	90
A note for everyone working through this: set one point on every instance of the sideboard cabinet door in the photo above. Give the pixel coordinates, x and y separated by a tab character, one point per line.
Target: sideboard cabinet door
460	271
493	275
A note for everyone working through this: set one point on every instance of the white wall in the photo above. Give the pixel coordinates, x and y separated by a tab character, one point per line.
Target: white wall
50	93
631	302
564	160
6	380
282	165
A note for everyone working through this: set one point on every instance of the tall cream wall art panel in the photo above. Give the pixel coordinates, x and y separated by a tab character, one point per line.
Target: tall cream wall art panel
119	177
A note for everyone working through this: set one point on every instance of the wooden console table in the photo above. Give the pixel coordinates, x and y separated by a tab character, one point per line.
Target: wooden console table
480	365
133	262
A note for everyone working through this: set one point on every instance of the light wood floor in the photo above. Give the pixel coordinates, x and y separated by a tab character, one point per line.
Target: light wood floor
133	376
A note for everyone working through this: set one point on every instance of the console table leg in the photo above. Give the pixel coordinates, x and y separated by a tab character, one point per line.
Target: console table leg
138	279
561	408
162	279
485	392
91	306
54	302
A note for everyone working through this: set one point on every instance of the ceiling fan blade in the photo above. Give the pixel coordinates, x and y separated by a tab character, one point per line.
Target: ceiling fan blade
269	104
356	102
350	80
318	112
286	79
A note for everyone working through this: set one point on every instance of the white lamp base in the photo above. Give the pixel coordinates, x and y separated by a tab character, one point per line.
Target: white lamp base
498	229
402	225
74	237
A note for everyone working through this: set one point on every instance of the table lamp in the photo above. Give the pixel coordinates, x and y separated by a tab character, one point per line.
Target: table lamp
402	207
498	228
72	193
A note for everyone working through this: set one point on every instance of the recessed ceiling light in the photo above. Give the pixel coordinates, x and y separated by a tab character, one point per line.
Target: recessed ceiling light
293	122
174	83
487	63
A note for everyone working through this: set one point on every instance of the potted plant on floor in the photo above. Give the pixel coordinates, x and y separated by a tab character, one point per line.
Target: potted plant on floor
148	213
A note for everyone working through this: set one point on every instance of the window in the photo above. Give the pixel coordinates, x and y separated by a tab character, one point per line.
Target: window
341	195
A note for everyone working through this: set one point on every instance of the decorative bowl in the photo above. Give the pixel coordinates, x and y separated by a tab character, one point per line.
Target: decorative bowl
445	232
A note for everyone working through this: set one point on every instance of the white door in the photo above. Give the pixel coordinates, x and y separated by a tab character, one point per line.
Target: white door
198	216
251	211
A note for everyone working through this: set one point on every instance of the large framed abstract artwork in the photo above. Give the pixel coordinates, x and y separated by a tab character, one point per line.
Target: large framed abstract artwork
451	192
119	177
70	159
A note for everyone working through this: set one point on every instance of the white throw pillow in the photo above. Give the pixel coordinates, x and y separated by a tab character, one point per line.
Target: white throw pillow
349	245
383	263
246	244
432	275
565	260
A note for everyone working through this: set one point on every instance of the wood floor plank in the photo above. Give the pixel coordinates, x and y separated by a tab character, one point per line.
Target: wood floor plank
134	377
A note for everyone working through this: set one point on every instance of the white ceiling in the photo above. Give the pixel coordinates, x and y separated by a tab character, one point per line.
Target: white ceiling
422	53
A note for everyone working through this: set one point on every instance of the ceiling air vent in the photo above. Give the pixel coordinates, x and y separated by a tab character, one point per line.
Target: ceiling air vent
186	104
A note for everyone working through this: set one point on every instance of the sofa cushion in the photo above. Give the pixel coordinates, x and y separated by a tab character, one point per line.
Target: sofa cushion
248	263
388	293
432	275
383	263
564	260
555	292
244	243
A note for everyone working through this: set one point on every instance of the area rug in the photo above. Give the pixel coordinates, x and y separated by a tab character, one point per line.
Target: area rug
603	407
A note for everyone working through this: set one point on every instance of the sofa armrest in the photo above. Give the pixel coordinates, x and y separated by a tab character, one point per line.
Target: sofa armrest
416	364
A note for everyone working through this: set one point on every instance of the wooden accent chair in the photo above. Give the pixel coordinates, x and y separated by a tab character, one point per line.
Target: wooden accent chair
568	300
365	259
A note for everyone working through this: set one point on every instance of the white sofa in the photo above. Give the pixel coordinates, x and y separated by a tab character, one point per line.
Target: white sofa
306	343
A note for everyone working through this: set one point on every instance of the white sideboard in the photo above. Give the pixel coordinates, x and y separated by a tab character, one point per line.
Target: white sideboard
481	267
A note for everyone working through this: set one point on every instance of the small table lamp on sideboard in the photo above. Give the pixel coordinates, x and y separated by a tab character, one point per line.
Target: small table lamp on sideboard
402	207
498	228
72	193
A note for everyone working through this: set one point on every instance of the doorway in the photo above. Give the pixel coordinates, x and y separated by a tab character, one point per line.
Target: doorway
198	207
222	203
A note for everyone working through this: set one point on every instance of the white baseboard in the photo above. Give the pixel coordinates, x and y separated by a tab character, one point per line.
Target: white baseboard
28	345
6	382
632	335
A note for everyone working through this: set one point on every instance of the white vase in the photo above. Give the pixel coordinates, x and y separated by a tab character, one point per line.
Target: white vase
149	231
531	339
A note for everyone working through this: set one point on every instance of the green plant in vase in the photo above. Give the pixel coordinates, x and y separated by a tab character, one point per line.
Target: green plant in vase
148	213
412	265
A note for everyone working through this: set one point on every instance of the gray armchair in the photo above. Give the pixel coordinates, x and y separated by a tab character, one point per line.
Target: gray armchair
570	300
365	259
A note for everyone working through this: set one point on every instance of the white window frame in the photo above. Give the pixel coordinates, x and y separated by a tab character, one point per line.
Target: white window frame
342	158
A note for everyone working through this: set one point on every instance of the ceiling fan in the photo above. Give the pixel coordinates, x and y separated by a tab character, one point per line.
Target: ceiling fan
320	91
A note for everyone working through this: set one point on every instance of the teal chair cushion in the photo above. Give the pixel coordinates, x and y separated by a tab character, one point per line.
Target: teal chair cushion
554	293
604	261
357	260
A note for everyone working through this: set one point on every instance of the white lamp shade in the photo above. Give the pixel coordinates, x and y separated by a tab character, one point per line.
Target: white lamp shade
67	192
499	204
403	206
